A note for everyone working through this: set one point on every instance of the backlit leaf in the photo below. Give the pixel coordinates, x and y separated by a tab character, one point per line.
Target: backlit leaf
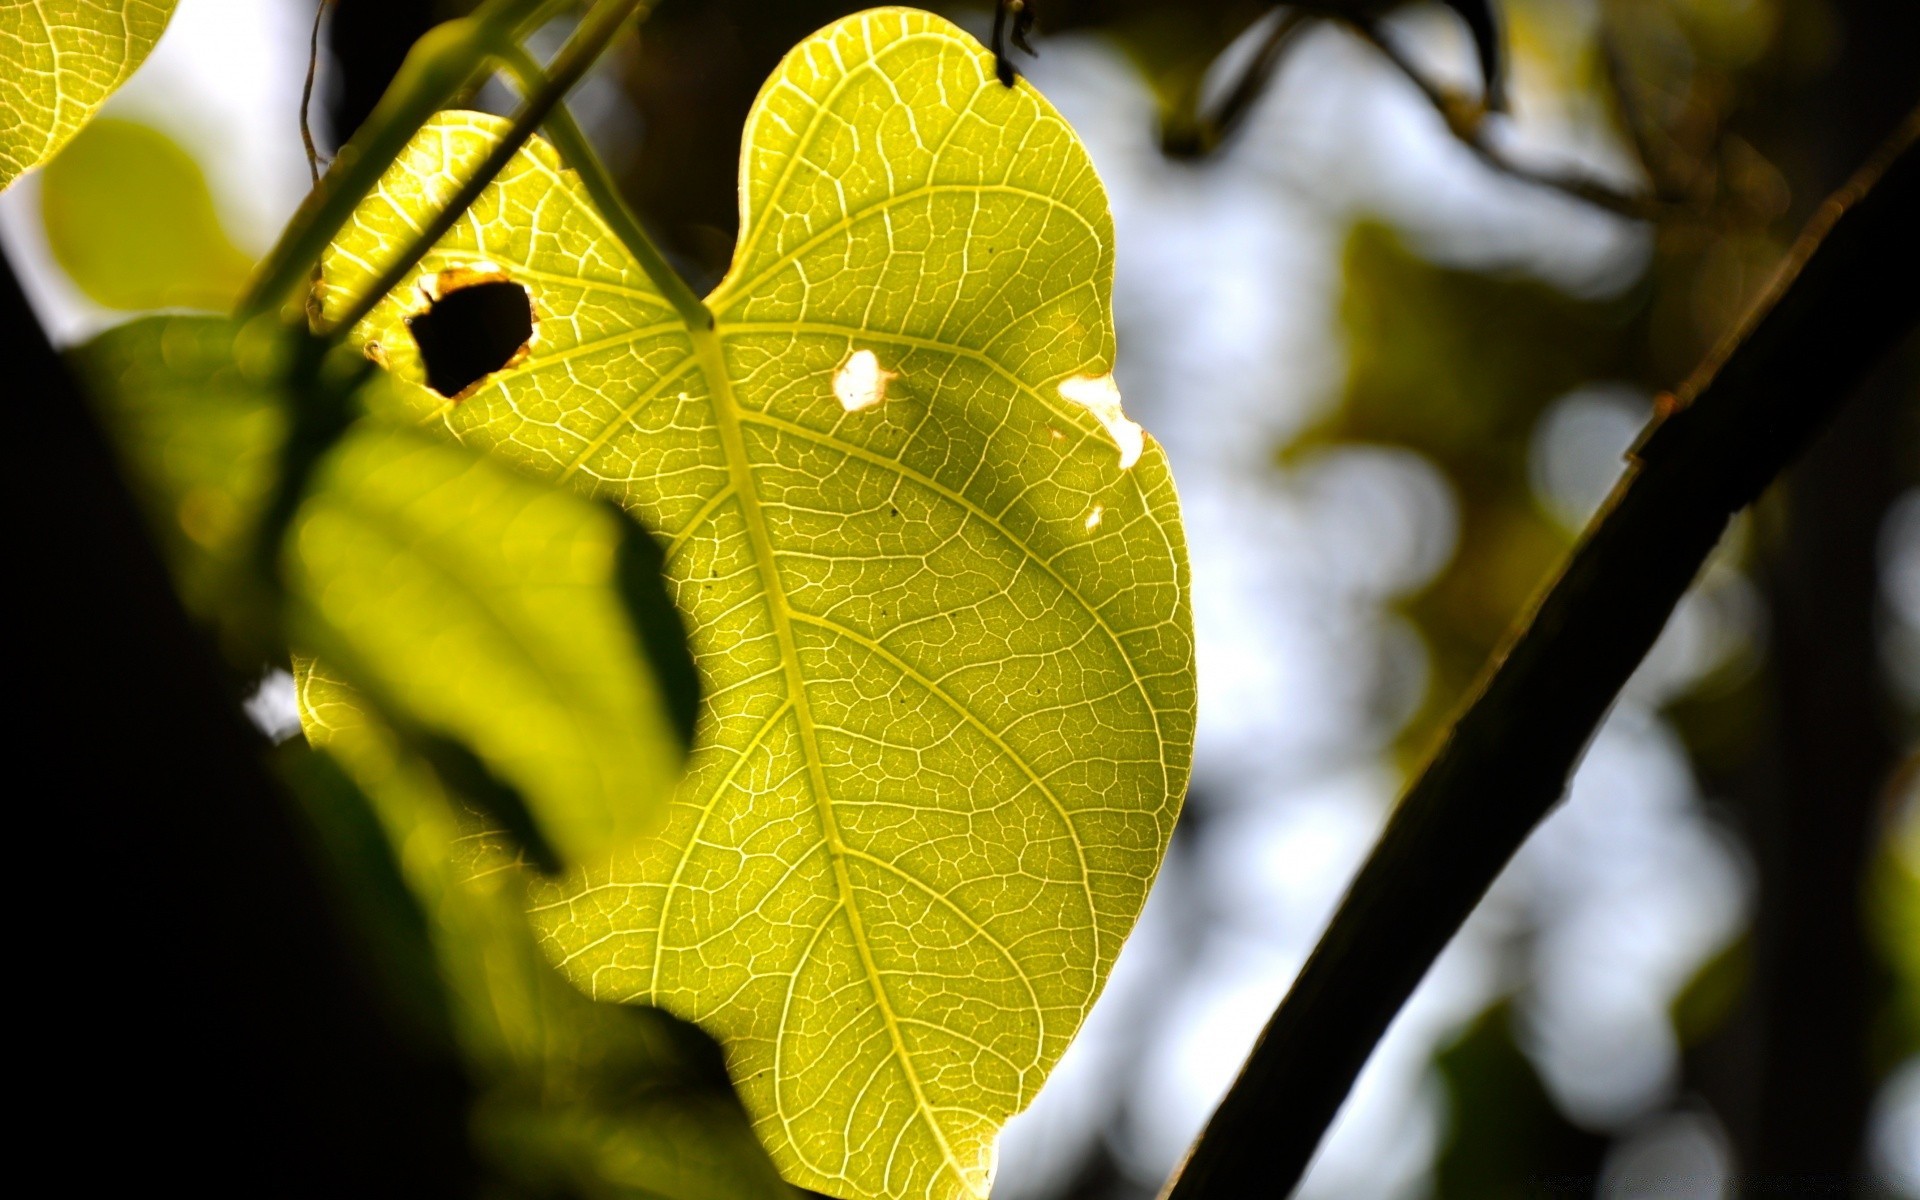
471	602
191	405
59	60
487	607
936	582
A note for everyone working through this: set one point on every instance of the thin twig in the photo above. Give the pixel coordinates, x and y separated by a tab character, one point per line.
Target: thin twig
1238	102
440	64
1205	133
589	40
1844	298
1466	119
306	94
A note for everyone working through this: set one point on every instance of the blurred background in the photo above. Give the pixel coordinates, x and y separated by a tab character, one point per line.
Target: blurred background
1394	380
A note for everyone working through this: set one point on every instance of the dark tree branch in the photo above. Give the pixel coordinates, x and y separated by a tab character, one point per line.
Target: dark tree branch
1846	295
1195	134
1466	119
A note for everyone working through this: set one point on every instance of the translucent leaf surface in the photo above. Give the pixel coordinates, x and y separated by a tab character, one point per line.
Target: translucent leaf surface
488	607
59	60
131	221
936	582
470	601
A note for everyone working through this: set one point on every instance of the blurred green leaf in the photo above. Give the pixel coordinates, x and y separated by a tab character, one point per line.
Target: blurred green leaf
192	404
1458	366
1707	999
131	220
574	1097
1505	1137
936	583
1894	912
474	603
59	60
394	938
488	607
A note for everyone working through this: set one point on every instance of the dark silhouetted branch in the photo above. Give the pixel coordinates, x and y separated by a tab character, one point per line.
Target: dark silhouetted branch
1846	295
1465	118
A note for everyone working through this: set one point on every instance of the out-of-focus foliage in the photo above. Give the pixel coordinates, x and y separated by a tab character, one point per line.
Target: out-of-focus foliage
1713	994
59	61
473	603
189	403
1458	366
493	609
1505	1138
925	558
573	1097
1894	895
131	220
1464	367
1177	46
499	621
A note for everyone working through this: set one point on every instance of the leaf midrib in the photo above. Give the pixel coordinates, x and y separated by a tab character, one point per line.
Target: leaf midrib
1078	420
727	420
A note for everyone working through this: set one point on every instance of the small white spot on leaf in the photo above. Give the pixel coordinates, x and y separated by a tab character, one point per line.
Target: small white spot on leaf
1099	396
1093	518
861	382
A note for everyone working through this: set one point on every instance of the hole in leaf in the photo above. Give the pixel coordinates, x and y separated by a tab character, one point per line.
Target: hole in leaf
861	382
472	330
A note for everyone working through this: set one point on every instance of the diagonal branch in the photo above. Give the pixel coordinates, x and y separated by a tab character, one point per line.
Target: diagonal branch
1465	118
571	141
582	50
447	59
1845	297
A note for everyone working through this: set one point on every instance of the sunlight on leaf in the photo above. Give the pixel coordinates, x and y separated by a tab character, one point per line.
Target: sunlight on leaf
487	607
59	60
950	717
472	602
131	221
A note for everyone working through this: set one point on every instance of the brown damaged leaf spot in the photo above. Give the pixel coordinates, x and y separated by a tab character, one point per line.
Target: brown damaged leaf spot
477	321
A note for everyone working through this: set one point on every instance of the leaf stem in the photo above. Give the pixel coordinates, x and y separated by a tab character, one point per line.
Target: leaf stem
594	177
1844	298
583	48
445	60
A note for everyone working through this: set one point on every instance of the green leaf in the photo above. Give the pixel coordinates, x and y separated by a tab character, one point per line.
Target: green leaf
936	583
573	1097
471	602
131	220
488	607
191	403
59	61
